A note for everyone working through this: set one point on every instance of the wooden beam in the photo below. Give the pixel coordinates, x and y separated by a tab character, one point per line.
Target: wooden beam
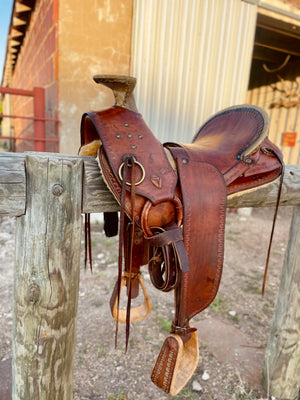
279	26
12	184
268	55
266	196
276	41
97	198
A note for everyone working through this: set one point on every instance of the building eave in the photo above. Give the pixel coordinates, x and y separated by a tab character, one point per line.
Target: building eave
19	23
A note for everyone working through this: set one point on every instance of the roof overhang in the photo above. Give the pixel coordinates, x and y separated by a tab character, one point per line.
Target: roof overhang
275	39
20	19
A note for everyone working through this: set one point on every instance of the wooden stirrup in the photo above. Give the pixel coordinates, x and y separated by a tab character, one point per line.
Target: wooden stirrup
137	313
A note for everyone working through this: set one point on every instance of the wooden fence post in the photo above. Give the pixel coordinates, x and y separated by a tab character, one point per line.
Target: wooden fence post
46	282
281	372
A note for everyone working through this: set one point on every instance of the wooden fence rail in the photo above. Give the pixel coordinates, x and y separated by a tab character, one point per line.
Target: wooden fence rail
47	193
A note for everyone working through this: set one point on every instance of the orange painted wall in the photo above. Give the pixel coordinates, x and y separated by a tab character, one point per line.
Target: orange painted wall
92	41
66	43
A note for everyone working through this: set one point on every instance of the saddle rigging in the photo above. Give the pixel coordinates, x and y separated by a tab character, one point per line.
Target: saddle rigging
172	201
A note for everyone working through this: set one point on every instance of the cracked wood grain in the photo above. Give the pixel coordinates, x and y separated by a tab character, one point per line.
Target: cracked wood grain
282	359
46	280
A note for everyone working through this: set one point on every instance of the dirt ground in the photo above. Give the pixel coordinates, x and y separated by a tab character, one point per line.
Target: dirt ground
233	331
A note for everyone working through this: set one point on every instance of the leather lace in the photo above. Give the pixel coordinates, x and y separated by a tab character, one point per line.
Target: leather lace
129	162
87	241
273	224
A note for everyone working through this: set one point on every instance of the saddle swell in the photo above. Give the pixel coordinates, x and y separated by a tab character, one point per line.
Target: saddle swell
129	136
173	206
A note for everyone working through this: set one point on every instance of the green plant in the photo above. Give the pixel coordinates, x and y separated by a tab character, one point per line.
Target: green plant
163	323
119	396
242	391
98	304
234	318
102	351
219	305
253	287
81	361
187	394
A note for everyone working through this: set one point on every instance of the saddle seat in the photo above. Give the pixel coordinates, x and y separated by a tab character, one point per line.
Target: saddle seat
235	141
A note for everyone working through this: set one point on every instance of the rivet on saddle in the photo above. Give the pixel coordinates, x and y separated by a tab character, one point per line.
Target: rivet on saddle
173	205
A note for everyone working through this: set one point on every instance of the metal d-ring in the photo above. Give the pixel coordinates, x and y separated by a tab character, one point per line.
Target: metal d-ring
139	165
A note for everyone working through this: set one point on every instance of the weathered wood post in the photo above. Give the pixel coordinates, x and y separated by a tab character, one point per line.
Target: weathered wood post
281	372
46	282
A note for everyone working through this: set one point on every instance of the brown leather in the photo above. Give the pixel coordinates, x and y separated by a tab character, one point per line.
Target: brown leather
174	197
203	188
129	135
176	363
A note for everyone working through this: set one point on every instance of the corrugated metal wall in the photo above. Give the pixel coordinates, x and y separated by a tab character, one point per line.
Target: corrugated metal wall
281	100
191	58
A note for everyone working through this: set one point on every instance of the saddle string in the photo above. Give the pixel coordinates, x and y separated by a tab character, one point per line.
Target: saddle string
87	241
273	223
128	163
132	198
121	245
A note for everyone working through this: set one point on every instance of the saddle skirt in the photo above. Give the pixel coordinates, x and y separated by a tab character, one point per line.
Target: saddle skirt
172	209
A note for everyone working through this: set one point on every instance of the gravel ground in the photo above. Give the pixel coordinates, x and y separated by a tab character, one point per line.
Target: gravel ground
104	372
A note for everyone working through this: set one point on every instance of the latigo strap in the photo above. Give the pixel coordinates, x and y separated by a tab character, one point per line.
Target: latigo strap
172	209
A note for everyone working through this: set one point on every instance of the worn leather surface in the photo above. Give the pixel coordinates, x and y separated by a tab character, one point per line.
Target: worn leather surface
204	199
129	134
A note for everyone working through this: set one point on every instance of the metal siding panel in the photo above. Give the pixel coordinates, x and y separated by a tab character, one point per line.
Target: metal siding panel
281	119
191	59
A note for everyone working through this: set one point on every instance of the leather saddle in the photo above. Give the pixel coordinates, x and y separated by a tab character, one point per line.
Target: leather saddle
172	209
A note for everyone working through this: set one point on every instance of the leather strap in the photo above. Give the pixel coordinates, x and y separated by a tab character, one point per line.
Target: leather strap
87	241
204	198
168	257
273	226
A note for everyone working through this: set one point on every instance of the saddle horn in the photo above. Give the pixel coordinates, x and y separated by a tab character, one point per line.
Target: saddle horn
122	87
